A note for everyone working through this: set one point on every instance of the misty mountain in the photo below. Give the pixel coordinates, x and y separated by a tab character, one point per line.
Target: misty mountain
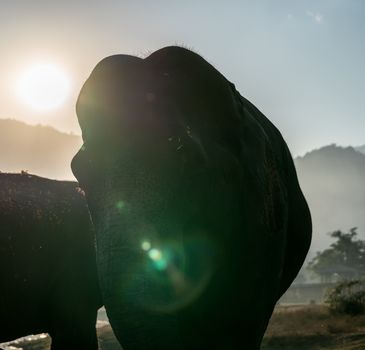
332	179
361	149
37	149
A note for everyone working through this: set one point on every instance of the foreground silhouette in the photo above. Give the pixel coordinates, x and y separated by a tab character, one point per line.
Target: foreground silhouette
47	262
200	221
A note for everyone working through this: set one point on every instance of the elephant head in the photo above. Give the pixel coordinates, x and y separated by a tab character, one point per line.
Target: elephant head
190	222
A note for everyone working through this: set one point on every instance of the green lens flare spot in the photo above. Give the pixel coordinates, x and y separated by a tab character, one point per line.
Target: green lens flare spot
155	254
146	246
120	205
161	264
159	260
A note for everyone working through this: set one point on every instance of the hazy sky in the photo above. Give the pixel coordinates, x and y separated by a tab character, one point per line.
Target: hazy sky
301	62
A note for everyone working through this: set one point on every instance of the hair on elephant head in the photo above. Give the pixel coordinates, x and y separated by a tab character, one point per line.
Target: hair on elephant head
189	187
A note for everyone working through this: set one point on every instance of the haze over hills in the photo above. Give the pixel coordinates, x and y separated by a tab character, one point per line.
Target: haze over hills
331	177
38	149
360	149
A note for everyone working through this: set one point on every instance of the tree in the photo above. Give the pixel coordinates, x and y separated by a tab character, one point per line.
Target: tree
345	257
347	297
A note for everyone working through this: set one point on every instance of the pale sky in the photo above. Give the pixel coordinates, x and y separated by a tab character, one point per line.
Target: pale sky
301	62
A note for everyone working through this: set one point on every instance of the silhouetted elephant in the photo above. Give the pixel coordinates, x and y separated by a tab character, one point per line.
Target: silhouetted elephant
200	221
48	273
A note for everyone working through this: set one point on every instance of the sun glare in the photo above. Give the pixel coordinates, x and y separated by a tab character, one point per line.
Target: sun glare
43	86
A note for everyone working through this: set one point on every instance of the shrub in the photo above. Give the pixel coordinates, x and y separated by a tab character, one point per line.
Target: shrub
347	297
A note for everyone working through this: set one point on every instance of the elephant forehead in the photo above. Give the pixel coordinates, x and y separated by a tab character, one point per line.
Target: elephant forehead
171	100
171	76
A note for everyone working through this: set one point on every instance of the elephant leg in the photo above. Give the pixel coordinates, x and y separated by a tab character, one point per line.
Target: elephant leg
73	330
63	341
73	322
73	313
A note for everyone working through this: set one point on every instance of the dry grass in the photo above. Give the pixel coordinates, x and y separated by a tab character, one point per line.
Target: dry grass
313	327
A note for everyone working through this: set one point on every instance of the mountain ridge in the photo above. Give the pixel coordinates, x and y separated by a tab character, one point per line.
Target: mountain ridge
360	149
39	149
332	180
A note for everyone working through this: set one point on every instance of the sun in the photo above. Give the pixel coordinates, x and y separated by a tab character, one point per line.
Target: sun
43	86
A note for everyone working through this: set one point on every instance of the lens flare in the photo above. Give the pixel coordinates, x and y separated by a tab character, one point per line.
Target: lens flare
146	246
160	259
120	205
155	254
172	275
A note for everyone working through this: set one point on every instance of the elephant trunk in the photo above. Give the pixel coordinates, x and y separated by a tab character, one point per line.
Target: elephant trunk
125	293
134	284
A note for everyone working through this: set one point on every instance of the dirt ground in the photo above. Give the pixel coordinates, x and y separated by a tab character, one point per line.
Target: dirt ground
309	327
313	327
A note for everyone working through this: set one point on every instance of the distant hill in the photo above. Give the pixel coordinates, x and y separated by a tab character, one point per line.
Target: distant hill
361	149
333	181
38	149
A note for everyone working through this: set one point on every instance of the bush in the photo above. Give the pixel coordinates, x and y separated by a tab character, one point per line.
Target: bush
347	297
